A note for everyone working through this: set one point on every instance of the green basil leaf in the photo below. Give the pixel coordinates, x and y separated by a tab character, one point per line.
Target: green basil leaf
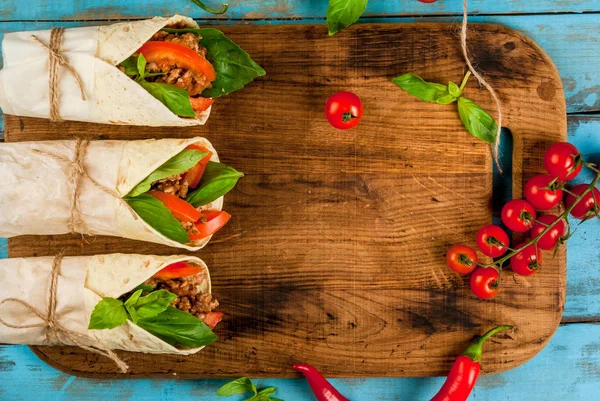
237	386
130	305
130	65
343	13
446	99
416	86
217	180
154	303
267	392
175	98
141	66
180	163
178	328
107	314
156	214
453	89
479	123
144	288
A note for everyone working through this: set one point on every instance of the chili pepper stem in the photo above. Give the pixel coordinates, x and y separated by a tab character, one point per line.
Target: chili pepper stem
206	8
475	350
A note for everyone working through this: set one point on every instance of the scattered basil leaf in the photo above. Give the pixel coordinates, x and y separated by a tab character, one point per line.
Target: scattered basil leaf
180	163
175	98
154	303
267	392
144	288
416	86
217	180
343	13
237	386
107	314
130	65
141	66
479	123
453	89
206	8
156	214
178	328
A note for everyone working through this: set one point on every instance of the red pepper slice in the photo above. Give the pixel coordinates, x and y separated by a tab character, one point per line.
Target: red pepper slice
179	208
194	176
322	389
465	370
211	222
177	270
176	54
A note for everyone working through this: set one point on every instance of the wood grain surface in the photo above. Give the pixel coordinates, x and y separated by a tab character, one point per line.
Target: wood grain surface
334	255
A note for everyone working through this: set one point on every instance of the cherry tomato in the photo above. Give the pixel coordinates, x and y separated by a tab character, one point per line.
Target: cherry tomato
527	261
176	54
492	241
194	176
462	259
484	282
585	207
200	104
551	238
344	110
562	161
178	270
211	222
518	215
211	319
179	208
539	193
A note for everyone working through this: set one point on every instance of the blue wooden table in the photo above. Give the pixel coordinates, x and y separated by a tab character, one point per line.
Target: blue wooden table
567	369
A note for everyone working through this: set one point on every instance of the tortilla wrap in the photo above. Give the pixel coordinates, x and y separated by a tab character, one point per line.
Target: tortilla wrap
35	191
83	281
94	52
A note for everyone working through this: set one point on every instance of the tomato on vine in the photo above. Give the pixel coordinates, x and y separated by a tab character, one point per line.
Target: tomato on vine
518	215
549	240
527	261
344	110
587	206
462	259
492	241
485	282
542	192
563	161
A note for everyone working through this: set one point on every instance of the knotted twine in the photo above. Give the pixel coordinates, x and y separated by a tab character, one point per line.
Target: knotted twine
482	81
57	60
54	330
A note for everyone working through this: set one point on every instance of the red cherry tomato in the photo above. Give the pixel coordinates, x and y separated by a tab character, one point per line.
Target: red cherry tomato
551	238
562	161
484	282
518	215
462	259
539	193
178	270
586	206
492	241
211	222
527	261
344	110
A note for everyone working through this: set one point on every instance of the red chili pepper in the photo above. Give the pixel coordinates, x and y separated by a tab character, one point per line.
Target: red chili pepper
464	372
323	390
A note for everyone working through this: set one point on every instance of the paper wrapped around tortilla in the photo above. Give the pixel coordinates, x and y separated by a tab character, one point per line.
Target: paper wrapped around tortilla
94	52
36	191
82	282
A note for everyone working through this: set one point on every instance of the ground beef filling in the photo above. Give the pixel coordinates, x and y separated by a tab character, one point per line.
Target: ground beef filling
192	81
189	298
174	185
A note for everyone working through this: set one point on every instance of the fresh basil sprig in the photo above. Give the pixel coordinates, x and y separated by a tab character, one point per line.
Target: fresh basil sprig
176	99
217	180
180	163
233	66
154	314
156	214
343	13
476	120
244	385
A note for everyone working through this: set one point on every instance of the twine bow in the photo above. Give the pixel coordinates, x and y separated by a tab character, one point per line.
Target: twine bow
54	330
57	60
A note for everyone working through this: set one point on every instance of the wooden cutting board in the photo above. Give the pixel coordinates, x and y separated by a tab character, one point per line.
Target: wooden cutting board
335	252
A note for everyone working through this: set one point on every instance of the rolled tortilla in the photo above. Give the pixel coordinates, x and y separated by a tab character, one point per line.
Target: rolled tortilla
35	191
94	52
83	281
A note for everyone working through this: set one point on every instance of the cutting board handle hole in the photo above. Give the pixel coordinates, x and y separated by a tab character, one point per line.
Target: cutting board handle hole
502	183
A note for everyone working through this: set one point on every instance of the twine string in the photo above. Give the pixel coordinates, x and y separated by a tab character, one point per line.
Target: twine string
54	330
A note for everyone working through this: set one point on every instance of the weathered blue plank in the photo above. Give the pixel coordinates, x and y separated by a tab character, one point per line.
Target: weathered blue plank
573	42
567	369
272	9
